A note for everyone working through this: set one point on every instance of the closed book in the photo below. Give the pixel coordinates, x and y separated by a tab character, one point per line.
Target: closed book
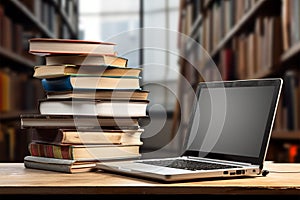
50	46
58	165
290	98
90	82
87	136
86	60
99	94
54	71
70	121
108	108
85	152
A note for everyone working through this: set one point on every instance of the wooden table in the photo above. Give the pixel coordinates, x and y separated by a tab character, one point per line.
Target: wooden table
17	180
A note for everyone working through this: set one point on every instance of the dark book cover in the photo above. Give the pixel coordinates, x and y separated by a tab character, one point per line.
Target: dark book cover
290	80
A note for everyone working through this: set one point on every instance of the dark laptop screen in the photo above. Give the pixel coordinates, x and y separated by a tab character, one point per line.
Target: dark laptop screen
233	120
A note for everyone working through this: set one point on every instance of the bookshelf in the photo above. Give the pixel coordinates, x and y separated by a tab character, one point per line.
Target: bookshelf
263	38
21	20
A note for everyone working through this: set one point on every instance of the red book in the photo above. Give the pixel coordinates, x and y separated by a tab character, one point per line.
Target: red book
85	152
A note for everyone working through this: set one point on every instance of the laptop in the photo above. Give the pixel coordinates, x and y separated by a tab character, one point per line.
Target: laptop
227	136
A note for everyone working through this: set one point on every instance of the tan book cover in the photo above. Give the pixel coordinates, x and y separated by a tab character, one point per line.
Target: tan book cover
87	136
50	46
55	71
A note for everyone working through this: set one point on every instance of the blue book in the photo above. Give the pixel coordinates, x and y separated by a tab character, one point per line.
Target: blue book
68	83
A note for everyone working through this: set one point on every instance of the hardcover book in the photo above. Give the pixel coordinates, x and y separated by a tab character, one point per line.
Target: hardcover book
86	136
100	94
86	60
50	46
90	82
107	108
70	121
54	71
58	165
85	152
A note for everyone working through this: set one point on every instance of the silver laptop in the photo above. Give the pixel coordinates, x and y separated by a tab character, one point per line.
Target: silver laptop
228	134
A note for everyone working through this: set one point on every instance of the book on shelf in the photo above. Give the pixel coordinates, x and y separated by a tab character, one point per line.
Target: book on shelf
86	136
286	22
58	165
100	94
291	98
50	46
108	108
70	121
54	71
88	60
85	152
90	82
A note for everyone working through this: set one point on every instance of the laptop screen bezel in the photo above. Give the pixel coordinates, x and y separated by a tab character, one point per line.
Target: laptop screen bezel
275	82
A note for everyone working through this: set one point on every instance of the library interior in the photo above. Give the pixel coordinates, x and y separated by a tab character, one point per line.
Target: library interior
169	42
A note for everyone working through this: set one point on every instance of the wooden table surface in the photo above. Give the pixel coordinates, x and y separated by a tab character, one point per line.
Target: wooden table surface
16	179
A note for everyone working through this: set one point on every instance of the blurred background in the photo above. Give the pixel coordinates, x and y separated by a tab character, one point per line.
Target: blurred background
171	40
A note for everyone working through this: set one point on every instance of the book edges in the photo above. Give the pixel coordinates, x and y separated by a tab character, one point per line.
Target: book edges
41	116
75	100
68	41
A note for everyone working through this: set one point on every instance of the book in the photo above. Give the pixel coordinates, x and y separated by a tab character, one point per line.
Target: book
100	94
290	98
50	46
86	136
85	152
88	60
54	71
107	108
58	165
90	82
64	121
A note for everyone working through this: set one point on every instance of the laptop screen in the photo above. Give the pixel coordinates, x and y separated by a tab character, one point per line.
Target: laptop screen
232	120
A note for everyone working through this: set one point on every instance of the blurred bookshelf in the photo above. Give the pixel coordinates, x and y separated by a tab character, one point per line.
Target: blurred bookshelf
21	20
246	39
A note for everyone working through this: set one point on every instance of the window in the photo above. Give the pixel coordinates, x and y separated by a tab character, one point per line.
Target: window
119	21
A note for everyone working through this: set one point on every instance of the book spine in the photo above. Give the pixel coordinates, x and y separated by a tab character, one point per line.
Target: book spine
51	136
289	95
42	166
50	151
57	84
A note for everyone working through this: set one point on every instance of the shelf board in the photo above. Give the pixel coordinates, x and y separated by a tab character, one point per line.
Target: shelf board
13	115
291	53
286	135
239	25
21	8
16	58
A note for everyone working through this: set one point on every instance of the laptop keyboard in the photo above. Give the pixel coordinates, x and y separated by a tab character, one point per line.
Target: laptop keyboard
188	164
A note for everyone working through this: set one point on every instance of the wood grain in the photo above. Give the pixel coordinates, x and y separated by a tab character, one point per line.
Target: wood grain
15	179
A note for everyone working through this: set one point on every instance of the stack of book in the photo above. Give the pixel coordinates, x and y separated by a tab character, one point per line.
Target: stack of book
91	109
